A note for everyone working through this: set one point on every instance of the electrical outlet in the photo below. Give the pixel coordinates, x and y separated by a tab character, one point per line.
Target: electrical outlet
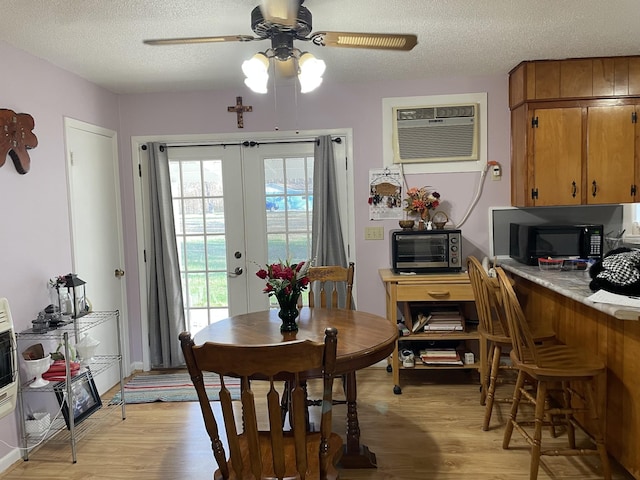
496	171
374	233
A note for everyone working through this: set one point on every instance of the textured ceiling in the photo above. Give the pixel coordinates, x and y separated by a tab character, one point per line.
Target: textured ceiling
101	40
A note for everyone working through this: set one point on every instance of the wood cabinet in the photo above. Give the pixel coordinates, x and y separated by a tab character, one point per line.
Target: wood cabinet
574	133
611	136
557	134
403	291
582	78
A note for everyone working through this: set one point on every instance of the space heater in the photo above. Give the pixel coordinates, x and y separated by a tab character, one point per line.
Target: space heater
8	361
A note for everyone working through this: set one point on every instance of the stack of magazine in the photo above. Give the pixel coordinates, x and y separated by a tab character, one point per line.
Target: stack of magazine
439	321
440	356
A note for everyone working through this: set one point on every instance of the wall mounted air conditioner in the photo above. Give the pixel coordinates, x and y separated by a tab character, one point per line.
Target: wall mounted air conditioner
436	133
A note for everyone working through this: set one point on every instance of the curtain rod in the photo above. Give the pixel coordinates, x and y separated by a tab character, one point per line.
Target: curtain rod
245	143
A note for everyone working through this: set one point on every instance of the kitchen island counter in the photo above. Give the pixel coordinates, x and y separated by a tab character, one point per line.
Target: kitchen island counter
612	332
572	284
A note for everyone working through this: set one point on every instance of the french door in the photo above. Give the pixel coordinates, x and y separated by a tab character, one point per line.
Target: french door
237	208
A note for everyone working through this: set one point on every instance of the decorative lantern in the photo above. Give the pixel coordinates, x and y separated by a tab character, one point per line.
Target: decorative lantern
76	294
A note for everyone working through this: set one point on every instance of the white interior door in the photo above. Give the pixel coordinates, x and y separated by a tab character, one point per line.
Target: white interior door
94	193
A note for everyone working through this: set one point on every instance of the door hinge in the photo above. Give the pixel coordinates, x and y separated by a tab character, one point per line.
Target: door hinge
633	190
534	193
534	122
140	170
634	117
144	256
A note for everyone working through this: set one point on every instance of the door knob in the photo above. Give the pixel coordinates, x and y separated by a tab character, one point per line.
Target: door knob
237	271
119	273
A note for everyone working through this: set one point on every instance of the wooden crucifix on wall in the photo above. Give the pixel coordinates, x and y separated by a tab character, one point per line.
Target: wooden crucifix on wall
239	109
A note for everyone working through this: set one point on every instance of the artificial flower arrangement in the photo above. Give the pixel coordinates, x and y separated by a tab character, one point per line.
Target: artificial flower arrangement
285	280
420	200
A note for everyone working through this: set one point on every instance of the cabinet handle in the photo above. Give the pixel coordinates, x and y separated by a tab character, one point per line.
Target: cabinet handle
594	188
439	293
574	189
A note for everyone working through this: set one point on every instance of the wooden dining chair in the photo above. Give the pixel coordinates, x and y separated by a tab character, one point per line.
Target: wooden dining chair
275	452
575	370
494	331
325	281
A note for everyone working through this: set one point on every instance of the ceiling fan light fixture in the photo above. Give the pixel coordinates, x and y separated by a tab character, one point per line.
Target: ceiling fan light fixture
256	69
310	71
310	65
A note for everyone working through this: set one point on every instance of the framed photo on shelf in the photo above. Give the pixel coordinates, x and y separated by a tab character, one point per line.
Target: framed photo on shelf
85	397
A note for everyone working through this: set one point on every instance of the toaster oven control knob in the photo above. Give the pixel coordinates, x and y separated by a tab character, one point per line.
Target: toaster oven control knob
454	240
454	248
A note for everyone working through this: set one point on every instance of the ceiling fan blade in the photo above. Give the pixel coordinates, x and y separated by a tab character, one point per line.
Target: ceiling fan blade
383	41
280	12
188	40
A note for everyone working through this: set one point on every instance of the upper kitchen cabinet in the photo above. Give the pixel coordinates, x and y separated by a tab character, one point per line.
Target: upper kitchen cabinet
583	78
611	136
574	134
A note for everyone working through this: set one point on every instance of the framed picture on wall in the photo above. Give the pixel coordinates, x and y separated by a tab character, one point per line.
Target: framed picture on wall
85	397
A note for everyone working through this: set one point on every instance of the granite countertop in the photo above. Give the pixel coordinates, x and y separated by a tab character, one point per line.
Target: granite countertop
573	284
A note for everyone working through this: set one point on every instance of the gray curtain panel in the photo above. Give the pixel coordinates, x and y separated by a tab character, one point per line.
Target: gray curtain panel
327	245
166	308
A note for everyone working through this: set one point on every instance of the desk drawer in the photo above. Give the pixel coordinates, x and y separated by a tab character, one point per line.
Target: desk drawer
435	292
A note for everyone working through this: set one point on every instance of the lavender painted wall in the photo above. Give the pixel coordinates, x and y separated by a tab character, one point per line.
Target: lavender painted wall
356	106
34	220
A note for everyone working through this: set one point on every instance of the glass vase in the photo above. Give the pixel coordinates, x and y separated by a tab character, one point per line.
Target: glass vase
288	312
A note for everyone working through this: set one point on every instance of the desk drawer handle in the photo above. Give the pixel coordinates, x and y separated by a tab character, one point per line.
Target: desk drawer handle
439	293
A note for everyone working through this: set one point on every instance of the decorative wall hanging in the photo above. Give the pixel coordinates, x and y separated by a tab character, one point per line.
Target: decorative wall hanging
385	193
16	137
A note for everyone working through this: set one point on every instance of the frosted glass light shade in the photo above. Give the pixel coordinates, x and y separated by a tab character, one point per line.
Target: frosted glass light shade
256	69
310	73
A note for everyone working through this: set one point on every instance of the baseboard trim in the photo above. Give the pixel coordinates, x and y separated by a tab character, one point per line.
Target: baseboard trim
9	459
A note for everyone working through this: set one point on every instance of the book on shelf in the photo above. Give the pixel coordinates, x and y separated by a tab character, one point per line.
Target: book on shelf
421	321
440	352
443	327
446	356
450	321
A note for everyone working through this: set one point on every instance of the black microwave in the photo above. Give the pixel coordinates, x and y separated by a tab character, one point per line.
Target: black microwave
527	243
426	251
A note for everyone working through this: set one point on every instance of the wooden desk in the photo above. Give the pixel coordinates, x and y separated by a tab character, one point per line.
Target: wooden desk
363	339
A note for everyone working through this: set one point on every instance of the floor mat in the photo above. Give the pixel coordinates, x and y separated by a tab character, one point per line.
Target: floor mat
172	387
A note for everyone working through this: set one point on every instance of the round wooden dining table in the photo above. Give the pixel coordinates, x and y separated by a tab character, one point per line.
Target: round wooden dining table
363	339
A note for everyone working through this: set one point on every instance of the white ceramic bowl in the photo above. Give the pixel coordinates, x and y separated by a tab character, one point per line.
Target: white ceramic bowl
35	369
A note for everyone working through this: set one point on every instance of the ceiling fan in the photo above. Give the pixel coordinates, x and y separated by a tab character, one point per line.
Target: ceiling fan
283	21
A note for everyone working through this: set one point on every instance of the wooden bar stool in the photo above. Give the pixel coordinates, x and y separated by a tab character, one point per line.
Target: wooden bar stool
574	369
494	330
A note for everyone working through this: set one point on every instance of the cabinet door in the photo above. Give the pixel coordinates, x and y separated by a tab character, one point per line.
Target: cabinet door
557	156
610	154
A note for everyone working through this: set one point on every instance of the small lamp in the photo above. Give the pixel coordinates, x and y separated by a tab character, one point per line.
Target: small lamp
76	290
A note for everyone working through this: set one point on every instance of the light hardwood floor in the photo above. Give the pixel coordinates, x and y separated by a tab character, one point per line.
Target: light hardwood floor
431	431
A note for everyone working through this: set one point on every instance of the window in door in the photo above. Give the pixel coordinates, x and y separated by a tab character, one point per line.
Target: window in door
198	206
289	208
